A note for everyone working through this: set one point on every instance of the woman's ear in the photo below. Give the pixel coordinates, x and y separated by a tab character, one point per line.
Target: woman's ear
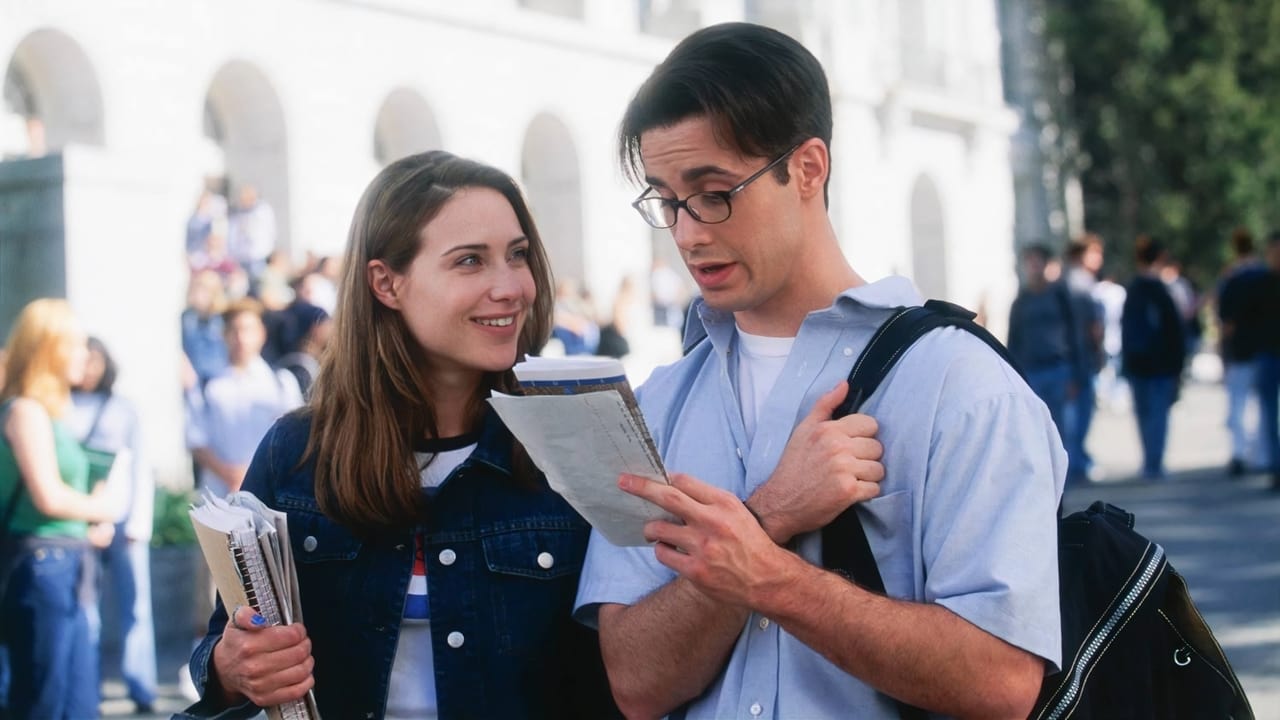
382	281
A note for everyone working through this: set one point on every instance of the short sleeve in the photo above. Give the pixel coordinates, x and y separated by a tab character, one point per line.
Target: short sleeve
612	574
989	541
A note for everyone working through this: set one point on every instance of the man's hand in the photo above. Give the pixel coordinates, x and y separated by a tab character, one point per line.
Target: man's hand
827	466
720	547
267	665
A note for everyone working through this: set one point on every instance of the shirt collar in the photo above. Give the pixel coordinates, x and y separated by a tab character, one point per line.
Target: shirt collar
494	447
888	293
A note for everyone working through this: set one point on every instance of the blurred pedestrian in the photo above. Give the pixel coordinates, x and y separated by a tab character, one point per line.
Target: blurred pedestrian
575	323
45	520
1268	358
304	334
1043	337
202	339
669	294
107	421
1243	327
615	330
1112	388
210	209
252	232
1154	349
1083	260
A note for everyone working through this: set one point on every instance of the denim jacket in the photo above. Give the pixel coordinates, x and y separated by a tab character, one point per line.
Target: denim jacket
502	570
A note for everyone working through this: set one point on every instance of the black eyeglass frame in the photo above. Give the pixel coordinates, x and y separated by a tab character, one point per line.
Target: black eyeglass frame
724	196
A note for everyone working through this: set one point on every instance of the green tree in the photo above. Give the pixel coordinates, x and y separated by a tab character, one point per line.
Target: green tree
1173	109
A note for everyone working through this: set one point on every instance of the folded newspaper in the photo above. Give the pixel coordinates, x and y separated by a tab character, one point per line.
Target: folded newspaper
579	421
246	545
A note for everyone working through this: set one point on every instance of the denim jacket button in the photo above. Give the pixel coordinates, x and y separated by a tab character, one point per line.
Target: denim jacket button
546	560
309	543
455	639
447	557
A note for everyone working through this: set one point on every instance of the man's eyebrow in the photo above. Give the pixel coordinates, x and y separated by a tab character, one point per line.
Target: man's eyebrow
692	175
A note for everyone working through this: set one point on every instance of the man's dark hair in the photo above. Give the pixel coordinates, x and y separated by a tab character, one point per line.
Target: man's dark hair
762	90
1147	249
1241	241
1076	250
1038	249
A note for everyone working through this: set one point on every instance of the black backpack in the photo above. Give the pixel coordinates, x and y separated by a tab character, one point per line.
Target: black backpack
1133	643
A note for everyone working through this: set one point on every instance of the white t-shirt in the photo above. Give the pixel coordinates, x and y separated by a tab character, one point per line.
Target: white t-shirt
760	362
411	693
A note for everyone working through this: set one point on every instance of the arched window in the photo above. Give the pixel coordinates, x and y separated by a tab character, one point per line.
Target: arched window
51	87
244	118
405	126
553	182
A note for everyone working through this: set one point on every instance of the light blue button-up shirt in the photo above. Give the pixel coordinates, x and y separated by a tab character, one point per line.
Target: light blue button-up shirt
966	515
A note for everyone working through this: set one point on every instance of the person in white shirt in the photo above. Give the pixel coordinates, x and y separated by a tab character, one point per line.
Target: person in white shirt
237	407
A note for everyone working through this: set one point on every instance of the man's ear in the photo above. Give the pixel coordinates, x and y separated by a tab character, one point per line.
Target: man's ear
382	281
813	163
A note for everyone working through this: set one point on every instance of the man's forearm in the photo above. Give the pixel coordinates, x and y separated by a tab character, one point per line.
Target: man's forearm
921	653
666	649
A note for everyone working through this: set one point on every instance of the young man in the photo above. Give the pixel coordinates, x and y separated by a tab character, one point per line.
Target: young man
730	613
236	408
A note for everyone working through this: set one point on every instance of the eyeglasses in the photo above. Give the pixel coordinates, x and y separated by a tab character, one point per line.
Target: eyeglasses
710	207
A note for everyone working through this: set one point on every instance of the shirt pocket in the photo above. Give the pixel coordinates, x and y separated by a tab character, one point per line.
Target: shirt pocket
532	580
887	521
316	539
540	553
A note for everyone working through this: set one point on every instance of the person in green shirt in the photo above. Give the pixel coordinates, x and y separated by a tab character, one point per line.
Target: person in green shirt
49	518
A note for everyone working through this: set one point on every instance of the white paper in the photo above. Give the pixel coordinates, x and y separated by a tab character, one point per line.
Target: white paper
582	443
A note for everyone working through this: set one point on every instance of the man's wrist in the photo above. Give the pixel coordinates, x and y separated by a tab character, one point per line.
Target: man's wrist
763	521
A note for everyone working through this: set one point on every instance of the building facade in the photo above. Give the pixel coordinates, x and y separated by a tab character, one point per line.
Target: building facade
306	99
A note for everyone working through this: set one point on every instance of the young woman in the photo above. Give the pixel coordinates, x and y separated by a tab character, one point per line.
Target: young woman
107	421
45	509
437	569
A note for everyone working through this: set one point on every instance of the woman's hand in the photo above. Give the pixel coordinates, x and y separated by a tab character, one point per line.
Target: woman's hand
100	534
269	665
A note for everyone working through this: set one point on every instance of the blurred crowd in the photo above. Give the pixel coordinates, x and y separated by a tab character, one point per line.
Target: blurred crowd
1083	339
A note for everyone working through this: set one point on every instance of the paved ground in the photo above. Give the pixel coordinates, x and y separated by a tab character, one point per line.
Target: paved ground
1221	533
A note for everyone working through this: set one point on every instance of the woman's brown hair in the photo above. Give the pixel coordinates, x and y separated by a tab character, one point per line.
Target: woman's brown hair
369	404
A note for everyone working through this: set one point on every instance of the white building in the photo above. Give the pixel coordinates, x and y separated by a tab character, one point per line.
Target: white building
307	98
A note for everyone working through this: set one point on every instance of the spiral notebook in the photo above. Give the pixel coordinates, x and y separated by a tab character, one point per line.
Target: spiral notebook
246	545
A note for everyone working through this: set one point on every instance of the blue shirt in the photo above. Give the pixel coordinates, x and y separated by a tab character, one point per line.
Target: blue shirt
966	516
502	561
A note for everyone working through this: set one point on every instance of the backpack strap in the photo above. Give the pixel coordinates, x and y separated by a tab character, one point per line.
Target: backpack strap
845	549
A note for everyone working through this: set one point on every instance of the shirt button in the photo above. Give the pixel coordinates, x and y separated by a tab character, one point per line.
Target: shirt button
764	623
309	543
455	639
848	352
756	709
546	560
447	557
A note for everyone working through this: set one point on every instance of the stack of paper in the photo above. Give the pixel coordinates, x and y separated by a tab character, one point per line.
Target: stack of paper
579	421
246	545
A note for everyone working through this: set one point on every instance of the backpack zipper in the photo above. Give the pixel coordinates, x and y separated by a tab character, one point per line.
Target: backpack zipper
1103	636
